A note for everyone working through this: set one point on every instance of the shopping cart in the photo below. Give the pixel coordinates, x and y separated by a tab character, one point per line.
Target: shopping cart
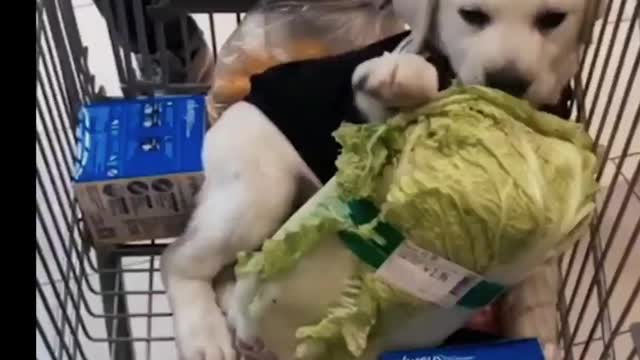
107	302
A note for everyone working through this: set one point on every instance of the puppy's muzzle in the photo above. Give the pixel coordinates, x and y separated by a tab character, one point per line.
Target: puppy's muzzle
509	80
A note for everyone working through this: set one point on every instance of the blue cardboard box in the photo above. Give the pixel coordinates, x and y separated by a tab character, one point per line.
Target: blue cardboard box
139	166
526	349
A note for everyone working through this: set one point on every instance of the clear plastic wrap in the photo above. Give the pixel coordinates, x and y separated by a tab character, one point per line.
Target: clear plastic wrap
276	32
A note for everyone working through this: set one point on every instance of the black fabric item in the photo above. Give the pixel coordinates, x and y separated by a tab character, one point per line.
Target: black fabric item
308	100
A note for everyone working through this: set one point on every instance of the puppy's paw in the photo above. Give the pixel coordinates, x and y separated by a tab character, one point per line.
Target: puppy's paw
240	314
531	309
255	350
397	80
202	333
552	351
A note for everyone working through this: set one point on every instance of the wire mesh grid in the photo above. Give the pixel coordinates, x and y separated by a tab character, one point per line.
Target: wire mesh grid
108	302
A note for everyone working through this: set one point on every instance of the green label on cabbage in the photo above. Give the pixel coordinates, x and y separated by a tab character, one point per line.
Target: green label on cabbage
406	266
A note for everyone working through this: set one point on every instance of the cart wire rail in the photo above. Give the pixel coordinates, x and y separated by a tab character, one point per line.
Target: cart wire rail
86	305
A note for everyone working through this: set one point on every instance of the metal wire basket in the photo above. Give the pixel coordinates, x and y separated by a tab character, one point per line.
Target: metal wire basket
107	302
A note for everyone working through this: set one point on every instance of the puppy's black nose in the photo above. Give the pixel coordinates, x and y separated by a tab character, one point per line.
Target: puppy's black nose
509	80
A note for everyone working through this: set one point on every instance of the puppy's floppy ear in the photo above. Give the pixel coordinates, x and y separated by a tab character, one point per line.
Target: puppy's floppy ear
594	11
418	14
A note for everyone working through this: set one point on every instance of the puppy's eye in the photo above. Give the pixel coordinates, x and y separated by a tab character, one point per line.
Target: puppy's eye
549	20
475	17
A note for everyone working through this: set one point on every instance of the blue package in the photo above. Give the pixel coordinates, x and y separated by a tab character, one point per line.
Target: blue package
525	349
140	137
139	166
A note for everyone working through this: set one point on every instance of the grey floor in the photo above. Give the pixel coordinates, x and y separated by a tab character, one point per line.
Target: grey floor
94	35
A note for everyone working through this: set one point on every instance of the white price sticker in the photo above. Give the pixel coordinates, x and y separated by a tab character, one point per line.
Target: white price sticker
427	275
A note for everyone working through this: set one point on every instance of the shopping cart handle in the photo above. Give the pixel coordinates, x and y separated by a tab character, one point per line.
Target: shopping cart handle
200	6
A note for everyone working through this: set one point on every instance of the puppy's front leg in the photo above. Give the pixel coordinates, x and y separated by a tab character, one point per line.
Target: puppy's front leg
188	267
387	83
529	309
253	179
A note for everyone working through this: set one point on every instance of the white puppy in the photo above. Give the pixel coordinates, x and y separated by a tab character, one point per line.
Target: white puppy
255	179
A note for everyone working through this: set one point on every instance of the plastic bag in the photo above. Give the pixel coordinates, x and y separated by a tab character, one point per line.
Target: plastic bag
276	32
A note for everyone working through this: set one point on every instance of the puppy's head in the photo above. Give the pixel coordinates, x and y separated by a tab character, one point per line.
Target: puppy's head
528	48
